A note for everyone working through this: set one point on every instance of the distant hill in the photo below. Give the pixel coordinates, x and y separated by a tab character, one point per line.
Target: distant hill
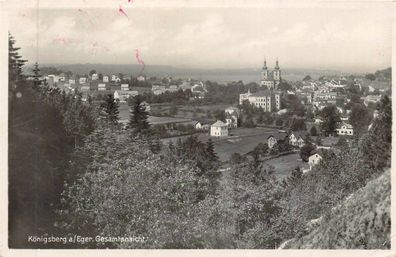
385	74
220	75
360	222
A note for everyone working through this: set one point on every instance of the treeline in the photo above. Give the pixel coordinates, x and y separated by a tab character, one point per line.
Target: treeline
45	125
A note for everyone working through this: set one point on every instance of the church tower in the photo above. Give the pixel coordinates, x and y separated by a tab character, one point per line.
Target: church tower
277	72
264	72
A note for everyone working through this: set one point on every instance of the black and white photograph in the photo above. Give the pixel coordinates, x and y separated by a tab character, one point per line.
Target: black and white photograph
144	124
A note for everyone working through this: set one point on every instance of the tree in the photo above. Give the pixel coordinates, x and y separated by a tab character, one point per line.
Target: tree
359	118
36	76
318	140
110	106
375	146
313	131
15	63
370	76
279	122
211	151
330	117
306	151
342	142
92	72
138	117
306	78
284	86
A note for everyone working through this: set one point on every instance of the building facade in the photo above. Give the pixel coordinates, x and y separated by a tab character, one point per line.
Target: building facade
219	129
269	101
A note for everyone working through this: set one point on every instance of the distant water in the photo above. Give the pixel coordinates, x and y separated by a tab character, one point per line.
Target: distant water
225	78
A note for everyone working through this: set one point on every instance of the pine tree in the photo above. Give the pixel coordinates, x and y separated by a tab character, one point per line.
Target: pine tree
110	107
313	131
36	75
15	63
211	151
138	118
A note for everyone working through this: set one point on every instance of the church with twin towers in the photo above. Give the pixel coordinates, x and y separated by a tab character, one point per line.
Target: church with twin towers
270	79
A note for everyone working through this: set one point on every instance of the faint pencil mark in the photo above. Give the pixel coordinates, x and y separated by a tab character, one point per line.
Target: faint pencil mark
122	12
140	61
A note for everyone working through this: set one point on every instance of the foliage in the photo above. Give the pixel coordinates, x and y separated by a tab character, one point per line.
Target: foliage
138	118
359	118
330	117
360	222
110	107
313	131
306	151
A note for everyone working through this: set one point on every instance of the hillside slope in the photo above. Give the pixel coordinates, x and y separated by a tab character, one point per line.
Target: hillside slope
360	222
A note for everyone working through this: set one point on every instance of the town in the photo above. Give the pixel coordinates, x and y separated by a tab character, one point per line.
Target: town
290	123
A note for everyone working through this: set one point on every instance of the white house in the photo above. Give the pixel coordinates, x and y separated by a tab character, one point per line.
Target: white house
106	79
85	88
124	87
101	87
197	125
123	95
95	76
295	139
232	110
314	159
141	78
219	129
72	81
271	141
345	129
82	80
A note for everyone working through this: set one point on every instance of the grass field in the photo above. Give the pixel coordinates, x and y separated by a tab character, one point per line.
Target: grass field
284	165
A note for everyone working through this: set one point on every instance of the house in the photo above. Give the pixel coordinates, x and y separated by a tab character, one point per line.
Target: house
95	76
82	80
371	99
231	120
196	124
101	87
345	130
296	139
85	88
219	129
273	139
123	95
314	159
140	78
72	81
146	106
105	79
124	87
115	78
62	77
232	110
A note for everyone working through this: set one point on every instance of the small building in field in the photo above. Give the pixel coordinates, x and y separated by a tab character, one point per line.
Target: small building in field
105	79
314	159
345	130
219	129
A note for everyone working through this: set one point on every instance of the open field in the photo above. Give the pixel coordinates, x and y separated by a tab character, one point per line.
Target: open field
285	164
242	141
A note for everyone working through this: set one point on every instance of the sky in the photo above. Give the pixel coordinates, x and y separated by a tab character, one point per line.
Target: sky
355	38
